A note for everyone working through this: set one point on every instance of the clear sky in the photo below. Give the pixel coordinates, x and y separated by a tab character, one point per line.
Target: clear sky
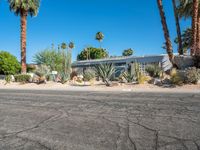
125	23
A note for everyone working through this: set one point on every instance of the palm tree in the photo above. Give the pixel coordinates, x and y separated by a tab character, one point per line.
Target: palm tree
24	8
191	9
71	45
165	30
178	29
195	16
99	37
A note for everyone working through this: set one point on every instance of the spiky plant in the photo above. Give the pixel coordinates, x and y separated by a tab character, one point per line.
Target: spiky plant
105	72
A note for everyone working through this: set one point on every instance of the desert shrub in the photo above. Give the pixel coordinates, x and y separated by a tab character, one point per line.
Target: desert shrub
153	70
42	70
22	78
73	74
192	75
8	78
142	79
9	64
176	77
88	75
105	72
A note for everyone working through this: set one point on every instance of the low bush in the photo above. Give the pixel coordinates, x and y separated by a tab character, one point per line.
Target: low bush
73	74
8	79
88	75
177	78
22	78
192	75
142	79
153	70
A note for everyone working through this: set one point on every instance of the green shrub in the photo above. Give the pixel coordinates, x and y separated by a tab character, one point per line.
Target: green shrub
22	78
42	70
8	79
8	64
31	68
88	75
153	70
192	75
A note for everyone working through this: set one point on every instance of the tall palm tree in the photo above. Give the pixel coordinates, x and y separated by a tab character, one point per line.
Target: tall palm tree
190	9
165	30
194	26
24	8
178	29
71	45
99	37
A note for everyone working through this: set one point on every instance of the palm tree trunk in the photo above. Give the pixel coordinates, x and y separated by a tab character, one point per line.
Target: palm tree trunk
23	41
166	31
194	26
178	29
197	52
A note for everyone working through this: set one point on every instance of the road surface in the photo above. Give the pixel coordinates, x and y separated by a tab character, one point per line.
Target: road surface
64	120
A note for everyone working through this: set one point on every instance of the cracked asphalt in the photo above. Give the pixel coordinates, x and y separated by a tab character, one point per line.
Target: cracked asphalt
72	120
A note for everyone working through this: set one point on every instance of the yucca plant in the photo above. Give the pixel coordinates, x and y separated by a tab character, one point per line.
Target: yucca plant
105	72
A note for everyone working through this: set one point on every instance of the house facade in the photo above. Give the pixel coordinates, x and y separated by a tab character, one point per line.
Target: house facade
124	63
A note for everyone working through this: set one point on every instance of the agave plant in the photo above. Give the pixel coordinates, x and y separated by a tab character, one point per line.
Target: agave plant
105	72
128	76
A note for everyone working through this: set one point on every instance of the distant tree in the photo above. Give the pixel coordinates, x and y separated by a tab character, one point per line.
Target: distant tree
63	45
127	52
24	8
9	64
71	45
99	37
92	53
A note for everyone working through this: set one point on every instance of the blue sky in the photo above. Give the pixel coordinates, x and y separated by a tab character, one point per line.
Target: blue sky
125	23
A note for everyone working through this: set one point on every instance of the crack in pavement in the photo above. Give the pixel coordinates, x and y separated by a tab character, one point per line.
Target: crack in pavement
31	128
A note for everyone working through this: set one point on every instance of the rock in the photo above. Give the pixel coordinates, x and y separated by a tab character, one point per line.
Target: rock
167	81
157	82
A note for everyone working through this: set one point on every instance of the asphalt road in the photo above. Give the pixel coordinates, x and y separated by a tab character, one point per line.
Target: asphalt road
64	120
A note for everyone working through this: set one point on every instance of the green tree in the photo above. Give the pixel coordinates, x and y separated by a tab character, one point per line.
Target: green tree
127	52
9	64
92	53
24	8
99	37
